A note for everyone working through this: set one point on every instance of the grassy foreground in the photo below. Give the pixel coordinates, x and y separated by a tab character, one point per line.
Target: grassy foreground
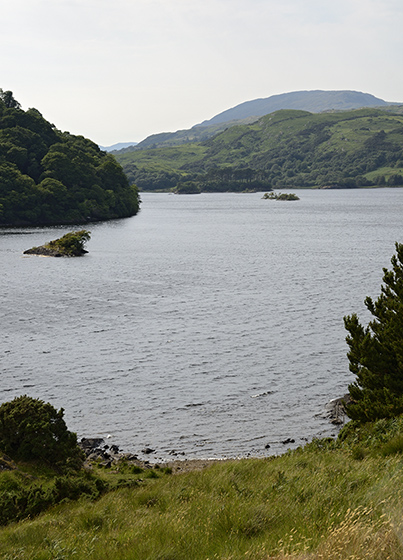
329	500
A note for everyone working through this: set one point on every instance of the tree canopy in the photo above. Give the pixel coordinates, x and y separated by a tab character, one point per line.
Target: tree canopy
376	351
8	99
53	177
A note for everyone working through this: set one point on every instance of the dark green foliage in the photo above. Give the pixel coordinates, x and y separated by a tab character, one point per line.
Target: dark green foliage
19	501
152	179
393	446
50	177
187	187
71	244
232	178
376	351
8	99
280	196
32	430
358	453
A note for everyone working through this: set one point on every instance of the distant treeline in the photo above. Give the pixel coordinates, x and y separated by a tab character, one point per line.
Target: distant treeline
214	180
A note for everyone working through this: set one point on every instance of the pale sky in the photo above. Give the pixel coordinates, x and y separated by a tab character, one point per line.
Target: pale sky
120	70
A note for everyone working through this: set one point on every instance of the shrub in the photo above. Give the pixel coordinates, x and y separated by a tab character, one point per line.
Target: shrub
359	453
393	446
21	502
32	430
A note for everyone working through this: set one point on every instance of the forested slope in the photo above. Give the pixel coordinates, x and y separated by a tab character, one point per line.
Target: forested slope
287	148
52	177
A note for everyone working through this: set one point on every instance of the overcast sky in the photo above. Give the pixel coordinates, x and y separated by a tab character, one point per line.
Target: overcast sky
120	70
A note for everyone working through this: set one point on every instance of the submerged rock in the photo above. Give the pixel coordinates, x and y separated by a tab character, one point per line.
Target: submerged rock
288	440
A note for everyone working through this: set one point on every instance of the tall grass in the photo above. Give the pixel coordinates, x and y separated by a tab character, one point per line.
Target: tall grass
312	503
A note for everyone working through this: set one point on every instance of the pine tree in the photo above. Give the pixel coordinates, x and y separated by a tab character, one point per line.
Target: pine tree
376	351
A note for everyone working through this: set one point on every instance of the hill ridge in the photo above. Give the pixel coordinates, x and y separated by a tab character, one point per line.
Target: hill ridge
314	101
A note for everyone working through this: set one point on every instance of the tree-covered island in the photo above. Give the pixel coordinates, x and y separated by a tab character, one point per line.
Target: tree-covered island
70	245
280	196
52	177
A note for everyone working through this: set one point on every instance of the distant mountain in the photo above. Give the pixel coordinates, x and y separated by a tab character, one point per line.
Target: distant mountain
317	101
118	146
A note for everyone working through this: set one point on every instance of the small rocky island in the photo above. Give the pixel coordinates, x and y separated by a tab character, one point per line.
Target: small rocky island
280	196
70	245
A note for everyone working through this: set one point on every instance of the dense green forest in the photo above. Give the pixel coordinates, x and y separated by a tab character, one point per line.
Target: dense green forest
52	177
284	149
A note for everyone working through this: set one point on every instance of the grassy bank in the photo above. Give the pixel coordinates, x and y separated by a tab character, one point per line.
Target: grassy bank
329	500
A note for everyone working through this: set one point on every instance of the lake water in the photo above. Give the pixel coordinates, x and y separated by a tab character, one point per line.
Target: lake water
211	325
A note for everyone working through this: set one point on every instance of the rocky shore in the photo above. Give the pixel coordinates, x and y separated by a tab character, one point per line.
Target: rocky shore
110	457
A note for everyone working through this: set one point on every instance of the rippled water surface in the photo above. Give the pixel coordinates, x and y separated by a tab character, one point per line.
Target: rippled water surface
211	325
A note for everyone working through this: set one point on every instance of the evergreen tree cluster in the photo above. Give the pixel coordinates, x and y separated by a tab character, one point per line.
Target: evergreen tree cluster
53	177
376	351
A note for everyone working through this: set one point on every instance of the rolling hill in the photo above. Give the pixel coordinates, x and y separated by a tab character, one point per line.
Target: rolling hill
316	101
288	148
248	112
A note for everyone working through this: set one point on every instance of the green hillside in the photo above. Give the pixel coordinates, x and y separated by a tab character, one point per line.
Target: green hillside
198	133
52	177
330	500
284	149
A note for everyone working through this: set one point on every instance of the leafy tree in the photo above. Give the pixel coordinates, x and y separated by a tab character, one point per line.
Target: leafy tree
8	100
32	430
376	351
